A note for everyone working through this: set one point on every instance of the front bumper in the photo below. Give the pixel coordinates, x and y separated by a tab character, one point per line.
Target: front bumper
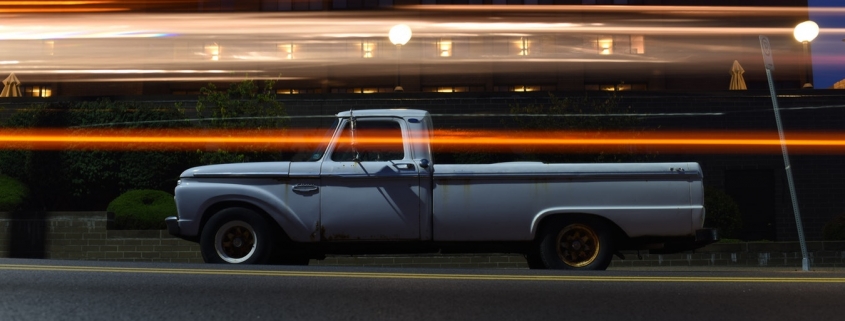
173	225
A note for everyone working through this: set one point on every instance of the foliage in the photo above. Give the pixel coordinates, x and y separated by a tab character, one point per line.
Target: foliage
581	113
13	194
595	115
592	115
100	175
142	209
40	170
241	107
84	178
722	213
835	229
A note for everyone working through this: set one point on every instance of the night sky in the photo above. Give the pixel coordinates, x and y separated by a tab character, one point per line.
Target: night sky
828	49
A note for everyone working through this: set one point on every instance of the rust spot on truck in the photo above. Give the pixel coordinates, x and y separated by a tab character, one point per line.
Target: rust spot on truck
313	235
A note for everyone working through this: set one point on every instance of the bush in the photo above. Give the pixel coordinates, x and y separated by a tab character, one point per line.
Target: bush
142	210
722	213
12	194
835	229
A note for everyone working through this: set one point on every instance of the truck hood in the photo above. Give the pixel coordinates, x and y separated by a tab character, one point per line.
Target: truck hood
262	169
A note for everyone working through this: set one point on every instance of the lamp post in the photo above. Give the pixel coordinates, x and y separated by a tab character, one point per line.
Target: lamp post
804	33
399	36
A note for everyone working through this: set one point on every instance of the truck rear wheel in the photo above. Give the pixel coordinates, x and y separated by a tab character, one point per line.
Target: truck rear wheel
236	236
577	243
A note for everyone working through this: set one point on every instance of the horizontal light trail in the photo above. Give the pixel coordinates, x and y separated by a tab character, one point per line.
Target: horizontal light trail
679	10
50	3
426	276
62	10
442	140
304	46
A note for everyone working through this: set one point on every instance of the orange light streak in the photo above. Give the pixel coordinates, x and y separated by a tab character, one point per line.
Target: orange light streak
50	3
443	140
62	10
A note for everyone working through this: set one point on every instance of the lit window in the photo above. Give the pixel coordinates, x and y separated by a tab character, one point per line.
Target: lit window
525	88
453	89
638	44
37	91
213	51
298	91
287	50
444	48
605	45
523	45
368	49
368	90
617	87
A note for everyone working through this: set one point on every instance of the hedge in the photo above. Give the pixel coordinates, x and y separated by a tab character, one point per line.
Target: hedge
142	210
12	194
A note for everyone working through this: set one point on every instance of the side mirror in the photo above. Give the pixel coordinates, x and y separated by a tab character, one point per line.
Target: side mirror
424	163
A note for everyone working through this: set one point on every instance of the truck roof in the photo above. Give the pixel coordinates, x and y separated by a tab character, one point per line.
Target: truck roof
404	113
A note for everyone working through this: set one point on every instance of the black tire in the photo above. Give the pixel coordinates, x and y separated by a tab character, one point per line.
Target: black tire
577	243
237	236
535	262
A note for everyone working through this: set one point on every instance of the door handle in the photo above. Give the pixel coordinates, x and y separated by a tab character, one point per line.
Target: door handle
305	188
404	166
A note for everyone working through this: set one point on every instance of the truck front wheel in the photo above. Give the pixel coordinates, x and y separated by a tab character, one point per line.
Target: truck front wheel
236	236
578	243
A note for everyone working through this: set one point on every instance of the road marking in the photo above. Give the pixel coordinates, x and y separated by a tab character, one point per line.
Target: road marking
427	276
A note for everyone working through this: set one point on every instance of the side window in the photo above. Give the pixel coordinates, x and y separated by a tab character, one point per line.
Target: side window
375	140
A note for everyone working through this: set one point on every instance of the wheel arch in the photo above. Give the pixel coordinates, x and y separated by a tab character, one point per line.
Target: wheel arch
546	219
222	205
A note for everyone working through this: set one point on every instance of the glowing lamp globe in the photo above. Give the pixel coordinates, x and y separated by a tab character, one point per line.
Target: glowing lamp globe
399	34
806	31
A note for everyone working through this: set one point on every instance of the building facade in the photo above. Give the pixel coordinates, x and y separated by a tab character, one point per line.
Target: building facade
342	46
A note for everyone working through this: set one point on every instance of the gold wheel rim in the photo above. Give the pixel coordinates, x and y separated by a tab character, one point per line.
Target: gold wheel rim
578	245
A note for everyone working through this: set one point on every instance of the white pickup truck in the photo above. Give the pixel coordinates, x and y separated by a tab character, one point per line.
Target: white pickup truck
372	187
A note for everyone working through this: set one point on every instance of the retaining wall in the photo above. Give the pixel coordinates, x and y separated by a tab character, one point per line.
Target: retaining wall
84	236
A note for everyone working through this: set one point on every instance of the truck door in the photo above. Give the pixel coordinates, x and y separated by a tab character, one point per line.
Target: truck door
370	185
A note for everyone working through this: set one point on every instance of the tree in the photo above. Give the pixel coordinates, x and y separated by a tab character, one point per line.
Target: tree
240	108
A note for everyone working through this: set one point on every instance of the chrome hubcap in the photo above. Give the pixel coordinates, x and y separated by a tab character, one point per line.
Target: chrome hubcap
235	241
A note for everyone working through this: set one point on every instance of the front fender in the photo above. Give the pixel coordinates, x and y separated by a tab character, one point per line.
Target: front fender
197	200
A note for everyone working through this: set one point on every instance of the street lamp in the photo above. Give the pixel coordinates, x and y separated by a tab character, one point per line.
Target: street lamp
399	36
804	33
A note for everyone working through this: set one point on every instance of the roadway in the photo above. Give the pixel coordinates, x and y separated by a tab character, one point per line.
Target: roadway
85	290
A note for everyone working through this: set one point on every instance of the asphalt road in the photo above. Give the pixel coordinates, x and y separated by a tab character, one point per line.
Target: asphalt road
76	290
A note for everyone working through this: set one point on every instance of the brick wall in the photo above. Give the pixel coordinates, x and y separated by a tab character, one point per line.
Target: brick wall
83	236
